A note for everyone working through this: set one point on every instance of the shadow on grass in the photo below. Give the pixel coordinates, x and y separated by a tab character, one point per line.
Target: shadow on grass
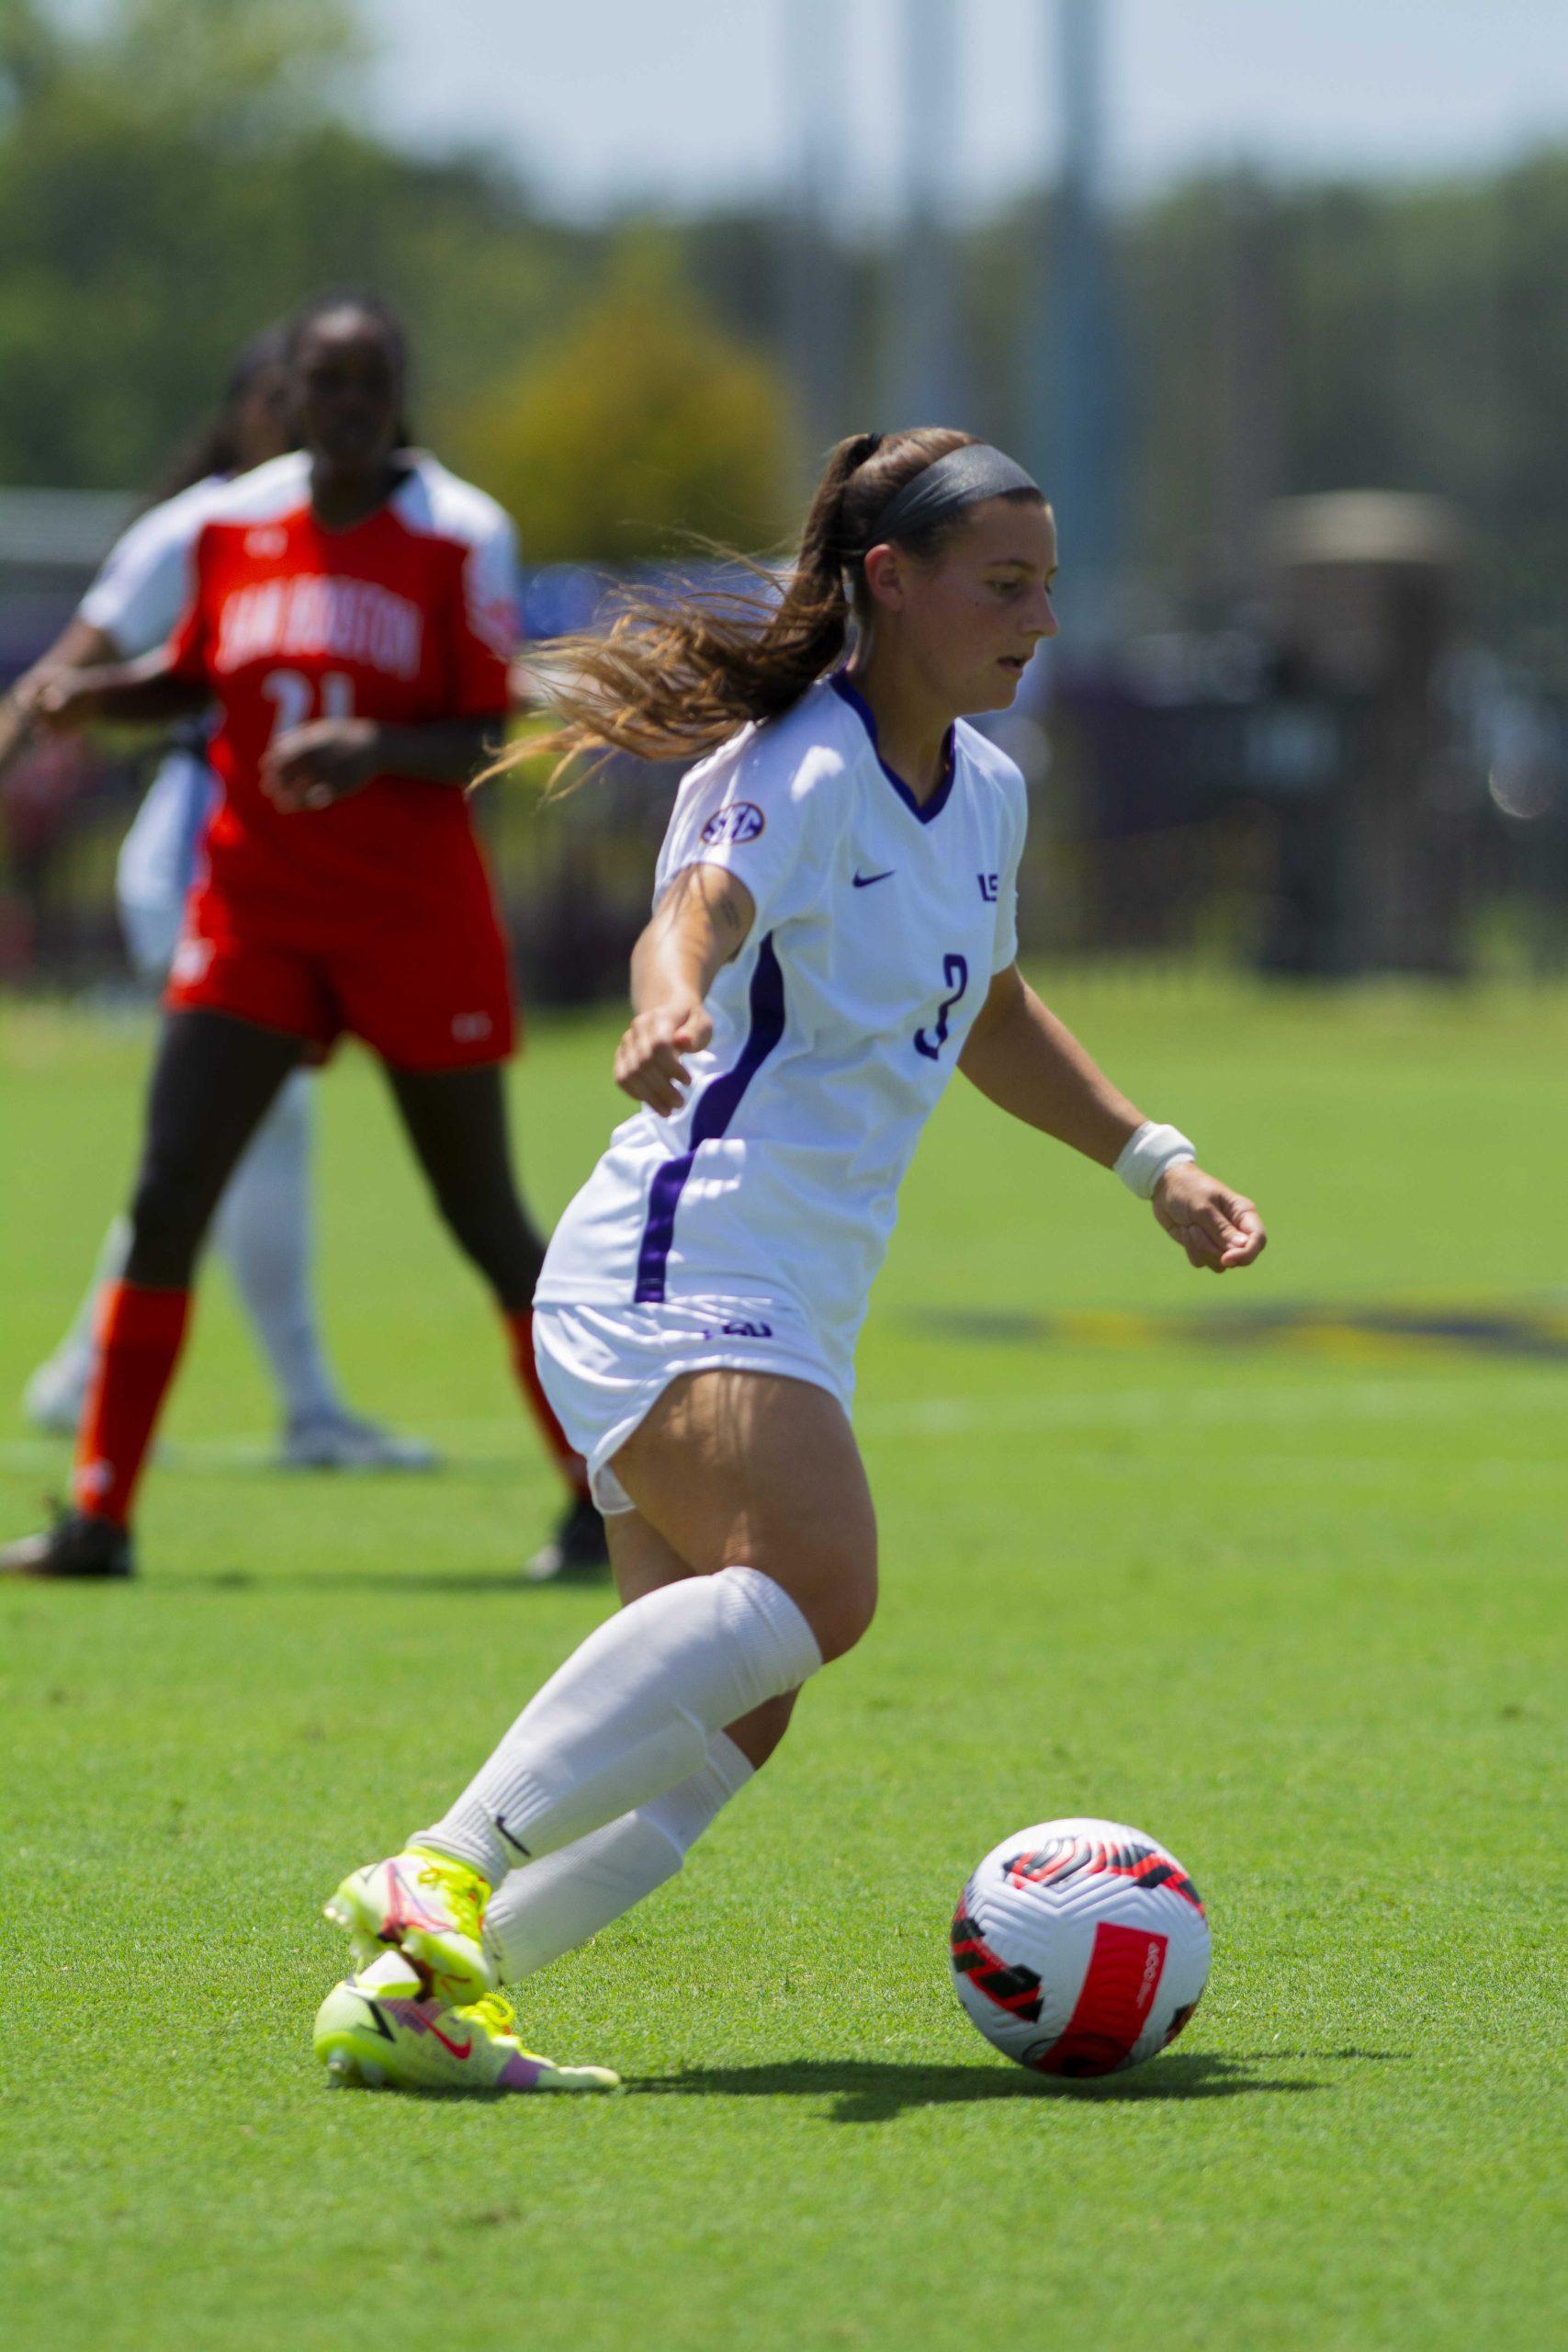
216	1461
869	2091
1362	2057
477	1583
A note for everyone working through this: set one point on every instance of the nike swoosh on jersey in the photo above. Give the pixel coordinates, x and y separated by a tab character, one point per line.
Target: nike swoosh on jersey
864	881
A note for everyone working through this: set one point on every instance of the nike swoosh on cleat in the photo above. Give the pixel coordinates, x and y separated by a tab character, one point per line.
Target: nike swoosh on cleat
409	1912
864	881
465	2049
377	2017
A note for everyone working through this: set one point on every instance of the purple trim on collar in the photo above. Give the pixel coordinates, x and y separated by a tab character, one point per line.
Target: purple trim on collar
924	809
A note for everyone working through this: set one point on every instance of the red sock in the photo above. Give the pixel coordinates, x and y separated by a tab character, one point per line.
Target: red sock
520	1331
141	1333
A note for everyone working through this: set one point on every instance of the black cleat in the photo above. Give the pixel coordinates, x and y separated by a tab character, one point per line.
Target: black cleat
576	1552
74	1546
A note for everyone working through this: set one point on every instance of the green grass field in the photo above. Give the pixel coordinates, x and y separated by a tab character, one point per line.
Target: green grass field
1287	1591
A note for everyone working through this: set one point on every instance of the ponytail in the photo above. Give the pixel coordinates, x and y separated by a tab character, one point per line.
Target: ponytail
672	681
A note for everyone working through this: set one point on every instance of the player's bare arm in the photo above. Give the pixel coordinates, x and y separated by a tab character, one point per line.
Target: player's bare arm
1030	1064
697	927
79	645
327	759
126	694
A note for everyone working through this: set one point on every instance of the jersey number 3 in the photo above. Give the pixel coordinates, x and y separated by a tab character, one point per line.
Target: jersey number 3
930	1042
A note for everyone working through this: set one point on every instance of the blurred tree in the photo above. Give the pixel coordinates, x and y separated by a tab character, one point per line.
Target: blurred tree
175	173
644	424
1365	336
249	71
30	51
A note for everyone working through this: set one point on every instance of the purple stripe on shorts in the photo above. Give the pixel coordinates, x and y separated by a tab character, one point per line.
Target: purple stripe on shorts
713	1114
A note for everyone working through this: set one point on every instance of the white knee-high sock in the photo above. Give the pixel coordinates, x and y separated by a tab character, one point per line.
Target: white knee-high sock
630	1715
262	1233
553	1905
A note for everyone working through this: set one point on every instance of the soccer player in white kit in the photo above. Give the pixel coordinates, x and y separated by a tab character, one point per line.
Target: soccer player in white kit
262	1231
834	932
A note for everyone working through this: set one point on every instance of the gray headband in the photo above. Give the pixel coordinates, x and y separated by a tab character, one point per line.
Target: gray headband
961	479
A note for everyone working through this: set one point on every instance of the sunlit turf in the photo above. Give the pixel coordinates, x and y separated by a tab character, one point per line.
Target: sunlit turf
1297	1607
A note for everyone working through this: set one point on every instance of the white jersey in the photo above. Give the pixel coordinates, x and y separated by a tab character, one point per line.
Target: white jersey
140	590
880	923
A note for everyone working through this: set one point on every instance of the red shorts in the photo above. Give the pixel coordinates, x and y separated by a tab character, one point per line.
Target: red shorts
438	998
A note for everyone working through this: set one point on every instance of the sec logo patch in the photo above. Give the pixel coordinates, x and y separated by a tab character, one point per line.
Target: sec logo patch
741	821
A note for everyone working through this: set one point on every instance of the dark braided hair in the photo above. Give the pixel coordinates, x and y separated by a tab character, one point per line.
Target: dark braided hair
216	448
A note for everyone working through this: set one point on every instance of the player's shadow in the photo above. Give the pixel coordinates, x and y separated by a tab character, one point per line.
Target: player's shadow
872	2091
485	1584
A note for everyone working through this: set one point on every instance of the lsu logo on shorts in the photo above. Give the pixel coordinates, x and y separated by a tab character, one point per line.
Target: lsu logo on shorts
741	821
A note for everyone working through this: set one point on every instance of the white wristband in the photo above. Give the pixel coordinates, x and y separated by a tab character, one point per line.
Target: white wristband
1147	1155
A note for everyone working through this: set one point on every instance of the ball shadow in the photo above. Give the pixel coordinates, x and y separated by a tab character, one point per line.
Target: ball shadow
872	2091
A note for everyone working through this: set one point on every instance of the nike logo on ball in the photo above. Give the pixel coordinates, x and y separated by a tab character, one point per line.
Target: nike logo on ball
864	881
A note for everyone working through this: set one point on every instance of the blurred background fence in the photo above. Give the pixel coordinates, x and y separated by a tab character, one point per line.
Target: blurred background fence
1310	711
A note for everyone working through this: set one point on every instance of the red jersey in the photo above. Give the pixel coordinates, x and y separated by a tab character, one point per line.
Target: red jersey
408	616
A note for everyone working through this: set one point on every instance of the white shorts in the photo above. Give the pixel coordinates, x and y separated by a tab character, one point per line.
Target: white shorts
604	1368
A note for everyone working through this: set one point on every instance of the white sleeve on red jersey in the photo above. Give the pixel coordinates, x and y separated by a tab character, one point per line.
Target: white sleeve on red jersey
488	627
490	589
143	593
145	583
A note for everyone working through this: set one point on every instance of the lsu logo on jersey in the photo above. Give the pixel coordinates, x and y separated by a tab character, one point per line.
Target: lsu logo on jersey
741	821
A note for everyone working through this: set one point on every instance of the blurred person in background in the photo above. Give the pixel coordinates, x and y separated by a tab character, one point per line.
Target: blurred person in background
262	1229
351	609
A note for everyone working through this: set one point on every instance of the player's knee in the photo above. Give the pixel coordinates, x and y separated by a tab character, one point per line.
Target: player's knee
842	1604
758	1734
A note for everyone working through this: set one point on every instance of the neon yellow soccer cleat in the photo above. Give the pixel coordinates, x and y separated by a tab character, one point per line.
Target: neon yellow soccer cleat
373	2031
429	1908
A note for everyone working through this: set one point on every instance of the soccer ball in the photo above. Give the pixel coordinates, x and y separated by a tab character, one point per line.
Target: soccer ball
1079	1947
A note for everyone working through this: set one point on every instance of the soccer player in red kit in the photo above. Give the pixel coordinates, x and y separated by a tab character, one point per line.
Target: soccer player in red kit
351	611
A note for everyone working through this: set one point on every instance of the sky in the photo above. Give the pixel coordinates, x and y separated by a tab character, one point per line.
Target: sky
686	103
